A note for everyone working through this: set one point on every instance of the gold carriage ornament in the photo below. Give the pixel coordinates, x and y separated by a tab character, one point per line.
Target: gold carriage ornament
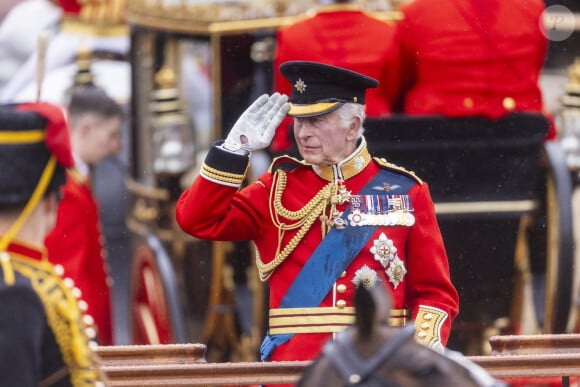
569	124
96	18
172	132
205	12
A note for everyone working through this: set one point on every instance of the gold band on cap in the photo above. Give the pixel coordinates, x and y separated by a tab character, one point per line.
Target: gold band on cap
22	137
310	110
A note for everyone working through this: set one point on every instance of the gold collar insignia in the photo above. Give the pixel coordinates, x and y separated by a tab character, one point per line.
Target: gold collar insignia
347	168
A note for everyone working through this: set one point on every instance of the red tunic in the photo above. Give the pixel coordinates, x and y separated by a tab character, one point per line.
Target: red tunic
464	58
76	243
342	36
214	208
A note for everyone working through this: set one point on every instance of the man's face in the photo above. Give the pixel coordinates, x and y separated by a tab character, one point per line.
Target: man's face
324	139
103	139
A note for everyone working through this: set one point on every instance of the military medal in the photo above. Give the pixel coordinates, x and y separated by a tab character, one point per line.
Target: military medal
366	277
383	249
385	252
355	218
337	221
380	210
396	271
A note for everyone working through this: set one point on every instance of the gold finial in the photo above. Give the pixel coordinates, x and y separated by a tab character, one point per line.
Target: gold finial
83	76
165	78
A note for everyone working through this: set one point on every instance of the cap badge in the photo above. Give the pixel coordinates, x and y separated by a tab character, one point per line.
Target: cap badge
300	86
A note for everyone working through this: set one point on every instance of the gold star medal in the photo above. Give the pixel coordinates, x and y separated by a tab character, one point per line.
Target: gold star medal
366	277
396	271
383	249
300	86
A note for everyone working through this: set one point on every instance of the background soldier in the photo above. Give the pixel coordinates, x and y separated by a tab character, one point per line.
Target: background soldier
77	242
343	35
44	334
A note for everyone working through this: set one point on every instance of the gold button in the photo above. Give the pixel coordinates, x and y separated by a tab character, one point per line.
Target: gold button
83	305
343	274
468	102
68	282
88	319
341	288
91	333
421	334
424	325
509	103
428	316
76	292
340	304
59	270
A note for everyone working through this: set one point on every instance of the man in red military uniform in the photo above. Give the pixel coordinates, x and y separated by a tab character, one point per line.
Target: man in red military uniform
45	337
76	242
325	225
465	58
340	34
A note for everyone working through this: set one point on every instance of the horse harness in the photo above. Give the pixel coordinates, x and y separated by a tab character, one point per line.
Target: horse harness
356	370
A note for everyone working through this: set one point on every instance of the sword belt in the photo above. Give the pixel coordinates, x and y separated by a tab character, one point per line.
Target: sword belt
323	319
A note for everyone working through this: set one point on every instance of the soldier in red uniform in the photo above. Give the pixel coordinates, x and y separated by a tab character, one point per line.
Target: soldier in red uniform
76	242
45	337
464	58
342	35
323	226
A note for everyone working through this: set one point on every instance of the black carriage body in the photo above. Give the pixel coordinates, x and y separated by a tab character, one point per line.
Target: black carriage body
502	197
467	160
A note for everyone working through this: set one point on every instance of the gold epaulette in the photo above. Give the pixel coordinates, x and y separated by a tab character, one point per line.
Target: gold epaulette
286	163
64	316
385	164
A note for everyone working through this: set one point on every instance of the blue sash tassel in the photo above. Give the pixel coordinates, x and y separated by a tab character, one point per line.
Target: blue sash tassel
270	343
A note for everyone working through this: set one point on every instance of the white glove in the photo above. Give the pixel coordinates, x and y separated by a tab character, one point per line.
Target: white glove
255	128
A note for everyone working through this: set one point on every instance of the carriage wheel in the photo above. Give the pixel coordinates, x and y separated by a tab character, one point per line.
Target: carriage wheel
156	315
150	317
557	292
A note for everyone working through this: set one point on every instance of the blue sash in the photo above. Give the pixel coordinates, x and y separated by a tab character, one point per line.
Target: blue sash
332	256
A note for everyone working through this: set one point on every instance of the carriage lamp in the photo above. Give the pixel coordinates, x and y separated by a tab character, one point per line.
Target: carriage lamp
172	133
569	124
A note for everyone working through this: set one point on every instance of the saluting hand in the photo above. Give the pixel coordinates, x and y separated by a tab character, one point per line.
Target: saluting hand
255	128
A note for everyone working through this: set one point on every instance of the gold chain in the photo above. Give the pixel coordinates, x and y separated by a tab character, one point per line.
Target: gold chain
304	217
